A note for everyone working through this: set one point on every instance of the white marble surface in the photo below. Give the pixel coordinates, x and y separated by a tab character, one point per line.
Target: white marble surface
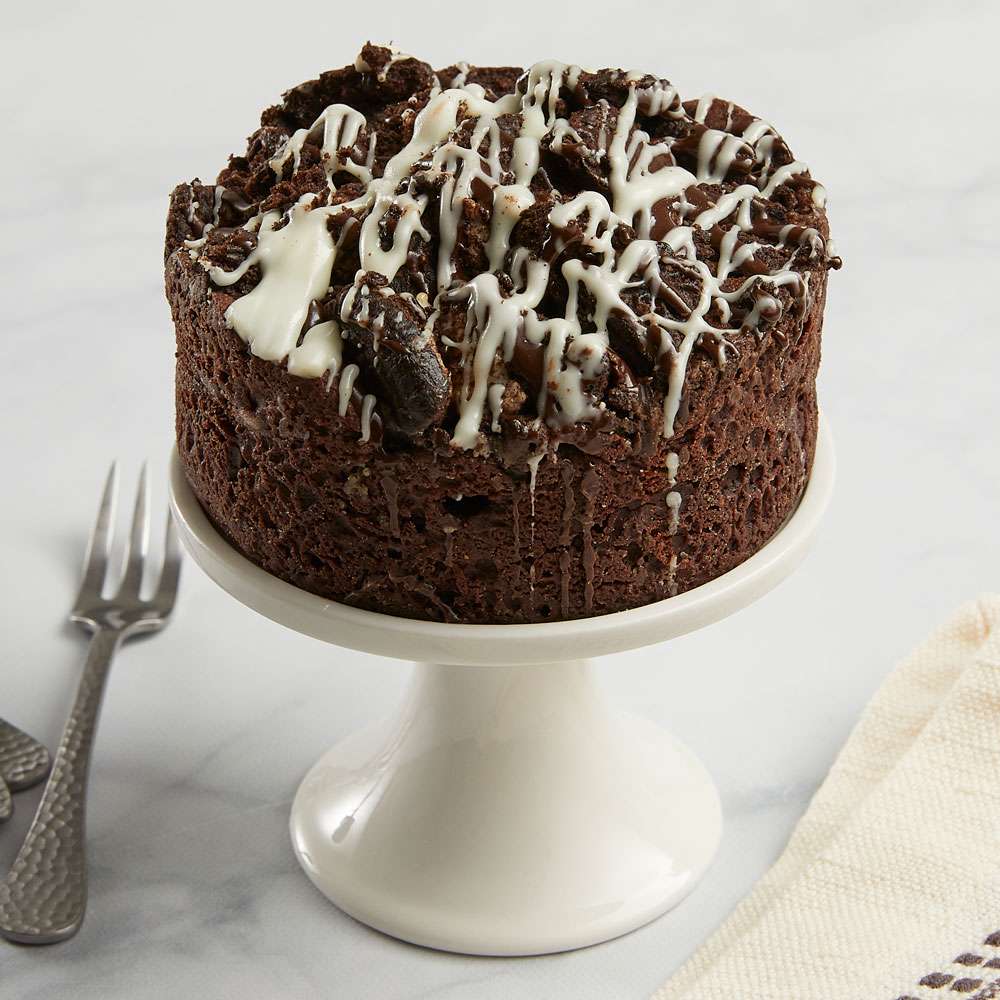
208	728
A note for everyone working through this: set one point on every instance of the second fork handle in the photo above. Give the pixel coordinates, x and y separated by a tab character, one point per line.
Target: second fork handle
44	897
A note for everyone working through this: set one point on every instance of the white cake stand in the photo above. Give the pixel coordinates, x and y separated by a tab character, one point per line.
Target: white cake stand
507	808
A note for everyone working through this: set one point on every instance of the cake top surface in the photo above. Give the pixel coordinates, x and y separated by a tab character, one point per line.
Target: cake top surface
550	254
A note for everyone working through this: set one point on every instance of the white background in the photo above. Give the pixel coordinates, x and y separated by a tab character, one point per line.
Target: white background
208	727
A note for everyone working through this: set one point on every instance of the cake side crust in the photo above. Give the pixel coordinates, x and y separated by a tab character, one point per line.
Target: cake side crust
431	533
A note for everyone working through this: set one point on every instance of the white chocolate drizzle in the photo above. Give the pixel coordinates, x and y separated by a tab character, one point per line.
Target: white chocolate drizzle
362	66
674	506
673	464
295	252
346	388
367	410
341	128
496	392
635	186
295	262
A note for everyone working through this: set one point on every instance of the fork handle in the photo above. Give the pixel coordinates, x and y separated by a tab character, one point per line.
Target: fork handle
44	897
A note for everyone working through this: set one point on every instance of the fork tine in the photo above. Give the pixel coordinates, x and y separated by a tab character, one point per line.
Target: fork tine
98	548
138	541
166	589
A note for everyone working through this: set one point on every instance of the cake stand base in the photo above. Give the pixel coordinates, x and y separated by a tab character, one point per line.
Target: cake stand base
507	811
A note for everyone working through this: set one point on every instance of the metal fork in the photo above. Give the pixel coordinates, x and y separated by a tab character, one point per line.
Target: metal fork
44	898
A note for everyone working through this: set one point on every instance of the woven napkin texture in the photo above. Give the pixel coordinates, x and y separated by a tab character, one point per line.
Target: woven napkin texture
890	884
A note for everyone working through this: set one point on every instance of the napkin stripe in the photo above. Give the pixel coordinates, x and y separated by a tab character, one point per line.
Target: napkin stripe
967	974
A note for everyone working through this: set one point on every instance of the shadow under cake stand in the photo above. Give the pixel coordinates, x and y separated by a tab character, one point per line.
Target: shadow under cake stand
507	808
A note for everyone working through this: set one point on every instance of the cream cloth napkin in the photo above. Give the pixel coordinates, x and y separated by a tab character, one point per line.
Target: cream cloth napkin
890	884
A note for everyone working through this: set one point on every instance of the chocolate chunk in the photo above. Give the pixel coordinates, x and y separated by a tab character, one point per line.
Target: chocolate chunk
385	335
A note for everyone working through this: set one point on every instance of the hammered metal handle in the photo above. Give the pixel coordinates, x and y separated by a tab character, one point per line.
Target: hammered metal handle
44	898
23	761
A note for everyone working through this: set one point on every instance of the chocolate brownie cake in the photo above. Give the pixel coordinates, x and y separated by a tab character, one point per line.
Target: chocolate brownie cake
493	345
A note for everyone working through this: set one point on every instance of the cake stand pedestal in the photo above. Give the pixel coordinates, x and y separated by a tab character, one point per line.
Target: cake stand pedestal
507	808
